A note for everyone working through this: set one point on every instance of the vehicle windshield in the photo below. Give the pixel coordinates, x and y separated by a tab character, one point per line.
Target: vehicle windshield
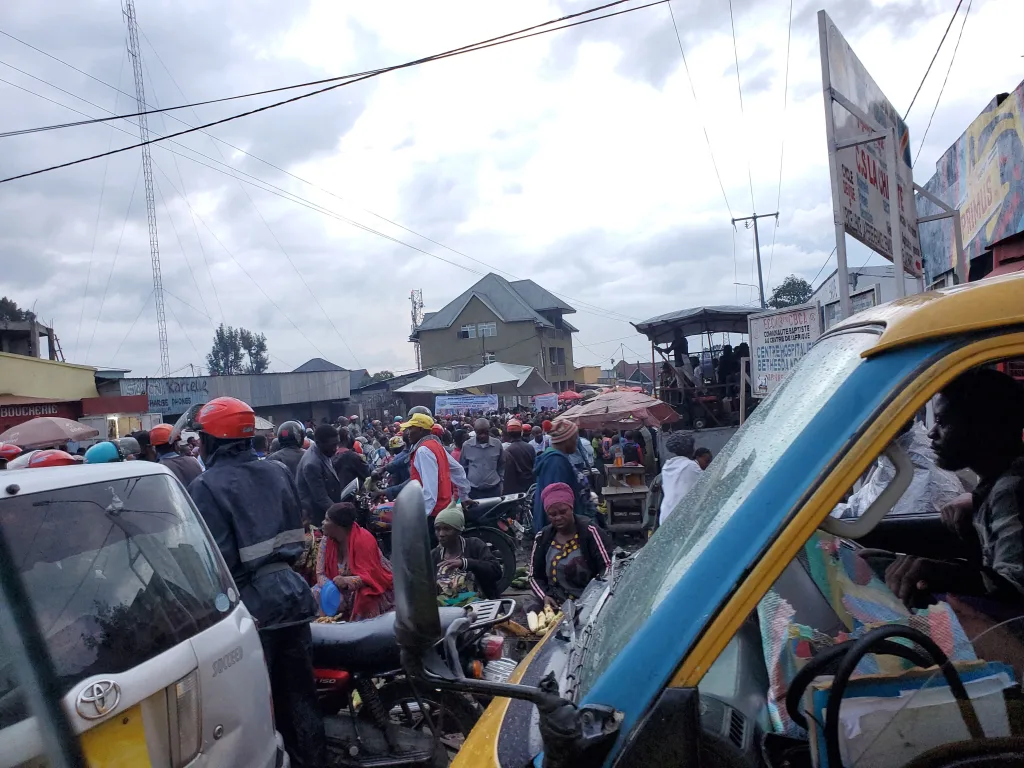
722	488
117	572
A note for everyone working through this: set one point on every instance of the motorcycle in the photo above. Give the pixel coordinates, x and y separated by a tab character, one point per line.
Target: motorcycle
495	521
373	713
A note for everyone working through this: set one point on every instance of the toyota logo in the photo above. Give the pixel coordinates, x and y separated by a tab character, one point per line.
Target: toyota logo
98	698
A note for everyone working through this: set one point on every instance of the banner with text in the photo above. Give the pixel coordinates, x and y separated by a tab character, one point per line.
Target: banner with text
860	172
465	403
778	340
982	176
548	402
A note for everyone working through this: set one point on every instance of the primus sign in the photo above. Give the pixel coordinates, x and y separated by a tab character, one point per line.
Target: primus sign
777	342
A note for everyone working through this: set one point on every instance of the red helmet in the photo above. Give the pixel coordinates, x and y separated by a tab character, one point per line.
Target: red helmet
51	458
546	425
160	434
437	429
358	448
226	418
8	451
527	427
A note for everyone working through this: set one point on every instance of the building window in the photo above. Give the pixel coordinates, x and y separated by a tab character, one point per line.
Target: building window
467	332
489	357
487	329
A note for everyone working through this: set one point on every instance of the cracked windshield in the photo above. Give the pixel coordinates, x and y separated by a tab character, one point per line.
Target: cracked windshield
435	383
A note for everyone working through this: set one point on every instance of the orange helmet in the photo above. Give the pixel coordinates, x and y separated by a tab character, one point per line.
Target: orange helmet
226	418
546	426
514	425
305	444
160	434
51	458
8	451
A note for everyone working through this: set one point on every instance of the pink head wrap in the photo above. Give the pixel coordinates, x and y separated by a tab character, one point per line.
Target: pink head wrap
557	493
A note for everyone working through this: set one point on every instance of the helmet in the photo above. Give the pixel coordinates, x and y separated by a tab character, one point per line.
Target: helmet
396	442
103	453
546	426
420	409
437	429
129	446
527	427
376	422
358	448
8	451
226	418
160	434
51	458
291	432
398	419
514	425
353	418
305	444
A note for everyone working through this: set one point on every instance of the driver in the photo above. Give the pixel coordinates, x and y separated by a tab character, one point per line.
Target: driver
979	420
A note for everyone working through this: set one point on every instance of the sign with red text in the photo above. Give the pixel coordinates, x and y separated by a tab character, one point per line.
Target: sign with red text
778	339
860	181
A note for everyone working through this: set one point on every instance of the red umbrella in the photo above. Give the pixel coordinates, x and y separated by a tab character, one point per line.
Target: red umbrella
621	409
47	431
570	395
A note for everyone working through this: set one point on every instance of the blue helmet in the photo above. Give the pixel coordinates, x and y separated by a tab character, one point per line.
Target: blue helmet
103	453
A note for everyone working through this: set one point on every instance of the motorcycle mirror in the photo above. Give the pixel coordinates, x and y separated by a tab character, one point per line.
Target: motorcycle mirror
185	421
417	622
351	489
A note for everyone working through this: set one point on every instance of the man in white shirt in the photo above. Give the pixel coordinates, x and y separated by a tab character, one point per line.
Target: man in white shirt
439	482
678	474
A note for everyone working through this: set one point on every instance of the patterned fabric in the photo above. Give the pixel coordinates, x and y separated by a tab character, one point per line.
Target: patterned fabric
384	604
567	568
862	602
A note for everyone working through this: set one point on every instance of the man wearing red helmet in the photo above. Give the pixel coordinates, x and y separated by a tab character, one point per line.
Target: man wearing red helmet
252	508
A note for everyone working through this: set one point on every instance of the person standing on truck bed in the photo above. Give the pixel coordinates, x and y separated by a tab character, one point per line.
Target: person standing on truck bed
253	511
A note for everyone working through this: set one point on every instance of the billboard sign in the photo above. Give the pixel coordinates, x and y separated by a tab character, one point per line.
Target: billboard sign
982	176
465	403
860	181
778	339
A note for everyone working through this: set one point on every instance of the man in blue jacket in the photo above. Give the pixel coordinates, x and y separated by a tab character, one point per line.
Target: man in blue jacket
553	466
252	508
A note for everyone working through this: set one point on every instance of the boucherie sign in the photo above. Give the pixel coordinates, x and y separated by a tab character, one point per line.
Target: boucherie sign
28	411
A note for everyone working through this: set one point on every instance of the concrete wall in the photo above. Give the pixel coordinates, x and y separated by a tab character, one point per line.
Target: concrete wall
515	343
34	377
587	374
560	377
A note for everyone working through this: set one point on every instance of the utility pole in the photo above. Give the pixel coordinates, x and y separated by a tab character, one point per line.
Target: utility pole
757	246
135	52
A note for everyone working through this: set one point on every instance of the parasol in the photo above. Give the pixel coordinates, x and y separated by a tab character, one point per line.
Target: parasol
47	431
620	409
569	395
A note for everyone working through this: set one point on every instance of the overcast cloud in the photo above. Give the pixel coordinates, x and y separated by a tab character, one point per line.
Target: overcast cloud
576	159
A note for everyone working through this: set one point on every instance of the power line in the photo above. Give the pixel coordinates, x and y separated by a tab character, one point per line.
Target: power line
935	55
782	144
433	57
827	260
739	88
603	312
944	81
131	327
703	127
458	51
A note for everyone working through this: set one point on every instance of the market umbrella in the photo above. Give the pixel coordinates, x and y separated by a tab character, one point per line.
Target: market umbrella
569	395
46	431
620	409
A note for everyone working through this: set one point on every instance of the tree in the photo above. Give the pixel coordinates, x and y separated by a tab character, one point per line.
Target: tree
225	356
255	346
790	292
9	310
231	347
382	376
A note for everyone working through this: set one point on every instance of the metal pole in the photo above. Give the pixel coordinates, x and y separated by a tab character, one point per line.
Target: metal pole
958	238
757	251
894	213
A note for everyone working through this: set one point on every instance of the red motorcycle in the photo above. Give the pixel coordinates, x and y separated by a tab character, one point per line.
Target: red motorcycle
373	714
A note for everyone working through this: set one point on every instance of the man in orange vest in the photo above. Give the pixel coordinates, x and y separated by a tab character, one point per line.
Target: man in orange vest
433	467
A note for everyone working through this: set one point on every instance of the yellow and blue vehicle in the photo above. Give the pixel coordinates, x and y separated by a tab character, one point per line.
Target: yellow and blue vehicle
686	640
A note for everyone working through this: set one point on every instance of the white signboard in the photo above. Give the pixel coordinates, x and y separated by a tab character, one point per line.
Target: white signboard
548	402
465	403
778	339
860	181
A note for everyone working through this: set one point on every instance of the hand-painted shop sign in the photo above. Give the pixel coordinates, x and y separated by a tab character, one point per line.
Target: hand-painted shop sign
28	411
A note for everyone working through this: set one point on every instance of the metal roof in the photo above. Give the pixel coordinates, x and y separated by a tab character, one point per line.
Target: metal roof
990	303
696	320
521	301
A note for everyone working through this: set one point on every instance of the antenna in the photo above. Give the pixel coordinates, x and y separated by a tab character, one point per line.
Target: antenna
416	299
147	173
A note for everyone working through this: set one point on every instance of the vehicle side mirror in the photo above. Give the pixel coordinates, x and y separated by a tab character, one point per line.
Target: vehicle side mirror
417	622
351	489
185	421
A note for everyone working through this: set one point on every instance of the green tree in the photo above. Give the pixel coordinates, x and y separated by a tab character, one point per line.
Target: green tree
790	292
226	355
9	310
255	346
382	376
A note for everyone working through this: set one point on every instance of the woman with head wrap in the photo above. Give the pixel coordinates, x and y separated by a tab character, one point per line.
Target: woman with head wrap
350	557
464	568
553	466
567	554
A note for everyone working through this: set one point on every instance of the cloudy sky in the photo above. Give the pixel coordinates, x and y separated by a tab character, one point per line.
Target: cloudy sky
577	159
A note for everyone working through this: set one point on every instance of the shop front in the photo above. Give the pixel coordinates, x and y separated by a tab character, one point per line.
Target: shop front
15	409
118	416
